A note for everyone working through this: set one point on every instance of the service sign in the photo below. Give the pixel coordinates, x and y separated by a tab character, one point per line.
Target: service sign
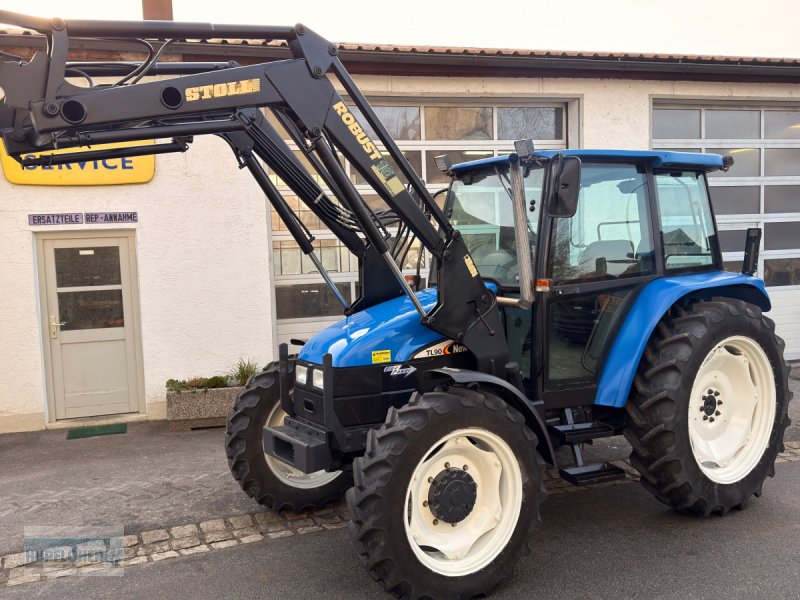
111	171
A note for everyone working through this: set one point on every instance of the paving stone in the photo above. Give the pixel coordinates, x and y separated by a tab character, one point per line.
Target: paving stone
310	529
164	555
213	525
183	531
62	572
195	550
130	562
327	519
252	538
23	572
295	516
218	536
155	535
302	523
240	533
186	542
271	527
331	526
102	567
128	553
149	549
280	534
241	521
17	560
224	544
22	578
130	540
270	516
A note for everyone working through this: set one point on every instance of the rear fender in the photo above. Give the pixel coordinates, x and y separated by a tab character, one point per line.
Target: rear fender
653	302
510	395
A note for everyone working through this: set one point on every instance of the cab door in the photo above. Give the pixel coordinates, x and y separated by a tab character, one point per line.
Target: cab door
596	261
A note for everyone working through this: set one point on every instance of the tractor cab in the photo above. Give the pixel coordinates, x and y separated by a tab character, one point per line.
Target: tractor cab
597	226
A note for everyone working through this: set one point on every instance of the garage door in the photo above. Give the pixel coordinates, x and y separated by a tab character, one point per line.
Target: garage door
761	190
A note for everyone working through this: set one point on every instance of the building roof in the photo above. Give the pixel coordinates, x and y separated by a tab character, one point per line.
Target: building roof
461	61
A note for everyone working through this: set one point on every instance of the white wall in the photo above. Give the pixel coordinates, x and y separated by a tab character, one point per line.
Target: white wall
202	248
203	262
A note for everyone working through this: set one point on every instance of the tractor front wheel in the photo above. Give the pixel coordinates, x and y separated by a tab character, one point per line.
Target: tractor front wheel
267	480
447	495
709	408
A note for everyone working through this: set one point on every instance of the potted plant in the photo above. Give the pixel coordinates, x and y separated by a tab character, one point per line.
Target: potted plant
206	401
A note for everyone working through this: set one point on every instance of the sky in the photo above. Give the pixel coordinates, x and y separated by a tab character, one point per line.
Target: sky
717	27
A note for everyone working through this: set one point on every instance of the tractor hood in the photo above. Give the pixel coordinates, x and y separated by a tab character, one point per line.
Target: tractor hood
390	332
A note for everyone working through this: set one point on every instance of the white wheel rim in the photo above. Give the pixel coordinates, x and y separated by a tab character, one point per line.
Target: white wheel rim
473	543
732	409
288	474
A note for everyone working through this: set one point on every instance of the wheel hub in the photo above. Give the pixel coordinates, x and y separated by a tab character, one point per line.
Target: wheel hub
452	495
710	402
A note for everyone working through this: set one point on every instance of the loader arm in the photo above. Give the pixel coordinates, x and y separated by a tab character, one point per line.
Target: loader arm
42	111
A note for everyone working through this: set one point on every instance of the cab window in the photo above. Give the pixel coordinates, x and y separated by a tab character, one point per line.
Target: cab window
687	228
610	235
482	211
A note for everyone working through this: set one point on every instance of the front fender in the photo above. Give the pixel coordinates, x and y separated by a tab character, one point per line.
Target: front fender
649	307
511	395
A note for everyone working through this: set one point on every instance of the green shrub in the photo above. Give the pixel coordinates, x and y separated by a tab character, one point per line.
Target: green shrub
244	370
197	383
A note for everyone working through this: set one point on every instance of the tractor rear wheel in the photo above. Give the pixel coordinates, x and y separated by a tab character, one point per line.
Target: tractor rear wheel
447	495
709	407
267	480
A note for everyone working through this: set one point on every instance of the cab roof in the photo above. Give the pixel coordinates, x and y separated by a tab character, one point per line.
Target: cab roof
657	159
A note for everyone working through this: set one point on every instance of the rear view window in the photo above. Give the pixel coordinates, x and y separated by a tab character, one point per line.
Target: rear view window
686	224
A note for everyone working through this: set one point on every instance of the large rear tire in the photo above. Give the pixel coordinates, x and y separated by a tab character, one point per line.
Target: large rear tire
447	495
709	406
268	480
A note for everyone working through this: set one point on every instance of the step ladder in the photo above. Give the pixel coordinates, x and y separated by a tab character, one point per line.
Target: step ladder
575	434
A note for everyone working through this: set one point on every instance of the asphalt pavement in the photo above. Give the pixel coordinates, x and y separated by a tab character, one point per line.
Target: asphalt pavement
610	543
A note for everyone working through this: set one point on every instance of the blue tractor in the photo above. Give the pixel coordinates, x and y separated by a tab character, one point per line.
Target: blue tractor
572	296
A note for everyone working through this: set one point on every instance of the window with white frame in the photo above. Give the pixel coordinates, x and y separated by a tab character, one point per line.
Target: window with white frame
422	130
762	189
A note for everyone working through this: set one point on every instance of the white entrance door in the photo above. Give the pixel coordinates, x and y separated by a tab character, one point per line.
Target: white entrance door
91	325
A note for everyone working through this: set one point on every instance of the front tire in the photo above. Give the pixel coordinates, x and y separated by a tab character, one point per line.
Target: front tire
267	480
709	406
447	495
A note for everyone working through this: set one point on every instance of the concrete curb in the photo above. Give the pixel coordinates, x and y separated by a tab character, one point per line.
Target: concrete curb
216	534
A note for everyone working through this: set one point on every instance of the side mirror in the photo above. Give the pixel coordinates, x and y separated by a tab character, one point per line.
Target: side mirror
563	185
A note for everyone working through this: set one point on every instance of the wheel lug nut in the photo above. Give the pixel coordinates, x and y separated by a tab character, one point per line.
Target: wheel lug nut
436	521
702	409
719	402
710	391
711	420
705	417
430	479
466	468
425	503
453	524
716	393
717	414
446	465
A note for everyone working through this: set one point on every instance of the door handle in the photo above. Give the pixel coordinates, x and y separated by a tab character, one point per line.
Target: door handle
54	326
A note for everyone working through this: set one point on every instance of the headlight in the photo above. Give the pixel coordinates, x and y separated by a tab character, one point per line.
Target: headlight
317	378
301	374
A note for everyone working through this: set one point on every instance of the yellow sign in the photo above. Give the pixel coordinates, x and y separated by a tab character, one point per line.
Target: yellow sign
381	356
111	171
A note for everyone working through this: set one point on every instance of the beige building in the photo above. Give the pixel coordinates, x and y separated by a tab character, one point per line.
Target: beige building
204	274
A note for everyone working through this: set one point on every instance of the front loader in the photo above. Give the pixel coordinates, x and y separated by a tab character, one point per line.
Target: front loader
573	295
